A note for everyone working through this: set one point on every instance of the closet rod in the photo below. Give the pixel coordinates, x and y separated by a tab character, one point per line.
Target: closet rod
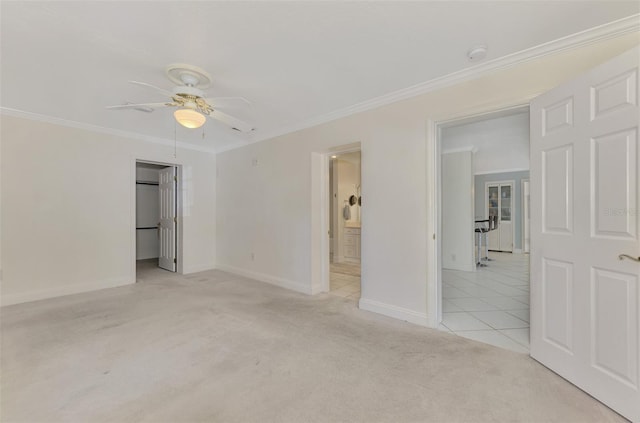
149	227
147	183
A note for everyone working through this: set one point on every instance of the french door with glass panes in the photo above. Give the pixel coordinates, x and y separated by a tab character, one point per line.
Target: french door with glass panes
500	203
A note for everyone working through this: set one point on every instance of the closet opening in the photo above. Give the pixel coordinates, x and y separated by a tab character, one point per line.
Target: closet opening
156	218
483	227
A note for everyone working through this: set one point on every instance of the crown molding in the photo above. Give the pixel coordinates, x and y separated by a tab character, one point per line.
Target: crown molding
101	129
492	172
235	147
603	32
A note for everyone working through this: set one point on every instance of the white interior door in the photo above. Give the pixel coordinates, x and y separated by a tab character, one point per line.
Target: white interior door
167	224
500	203
492	196
584	192
505	225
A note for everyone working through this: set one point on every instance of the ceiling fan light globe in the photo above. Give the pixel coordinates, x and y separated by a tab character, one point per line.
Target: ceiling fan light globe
189	118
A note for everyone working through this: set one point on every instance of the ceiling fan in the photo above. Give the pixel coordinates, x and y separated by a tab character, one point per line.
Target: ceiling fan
188	97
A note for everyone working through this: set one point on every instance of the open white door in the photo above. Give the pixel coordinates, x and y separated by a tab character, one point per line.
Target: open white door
584	214
167	225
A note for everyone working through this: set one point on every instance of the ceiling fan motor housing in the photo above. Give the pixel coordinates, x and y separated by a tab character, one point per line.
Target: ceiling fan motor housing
187	90
188	75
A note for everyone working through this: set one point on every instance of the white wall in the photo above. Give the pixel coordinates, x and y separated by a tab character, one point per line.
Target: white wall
502	143
457	211
267	209
67	201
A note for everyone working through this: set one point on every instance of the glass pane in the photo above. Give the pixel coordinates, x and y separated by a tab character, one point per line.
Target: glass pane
493	198
505	203
506	214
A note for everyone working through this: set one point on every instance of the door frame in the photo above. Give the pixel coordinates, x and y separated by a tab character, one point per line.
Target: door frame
179	213
514	211
522	210
434	195
320	263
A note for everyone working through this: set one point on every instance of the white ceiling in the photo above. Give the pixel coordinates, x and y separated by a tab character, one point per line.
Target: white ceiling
296	61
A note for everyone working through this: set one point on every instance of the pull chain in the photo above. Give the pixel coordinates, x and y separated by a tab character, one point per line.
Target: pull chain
175	139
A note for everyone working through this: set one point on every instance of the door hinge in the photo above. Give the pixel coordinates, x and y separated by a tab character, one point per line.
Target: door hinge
175	178
175	220
175	260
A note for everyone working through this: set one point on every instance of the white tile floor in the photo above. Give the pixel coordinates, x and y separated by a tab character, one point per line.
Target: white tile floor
490	305
344	284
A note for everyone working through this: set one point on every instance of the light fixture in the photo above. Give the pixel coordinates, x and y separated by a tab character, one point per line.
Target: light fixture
334	157
189	118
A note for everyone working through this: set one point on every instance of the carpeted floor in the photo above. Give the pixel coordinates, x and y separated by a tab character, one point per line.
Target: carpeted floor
216	347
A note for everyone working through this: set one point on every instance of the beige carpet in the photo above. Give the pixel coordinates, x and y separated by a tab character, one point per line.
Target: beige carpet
214	347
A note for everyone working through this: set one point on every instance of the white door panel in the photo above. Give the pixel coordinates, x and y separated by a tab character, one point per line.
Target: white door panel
494	240
557	188
167	223
584	192
506	236
614	184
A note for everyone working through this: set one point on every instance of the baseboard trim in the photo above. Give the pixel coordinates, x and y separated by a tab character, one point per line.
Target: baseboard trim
317	290
62	291
263	277
396	312
199	268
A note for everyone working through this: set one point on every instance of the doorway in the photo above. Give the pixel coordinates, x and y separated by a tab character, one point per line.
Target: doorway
156	217
482	267
345	202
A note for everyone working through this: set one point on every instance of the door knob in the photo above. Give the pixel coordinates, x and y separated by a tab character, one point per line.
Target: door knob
624	256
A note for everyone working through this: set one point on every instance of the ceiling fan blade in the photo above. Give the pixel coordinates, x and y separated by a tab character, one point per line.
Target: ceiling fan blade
134	106
160	90
231	121
218	100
